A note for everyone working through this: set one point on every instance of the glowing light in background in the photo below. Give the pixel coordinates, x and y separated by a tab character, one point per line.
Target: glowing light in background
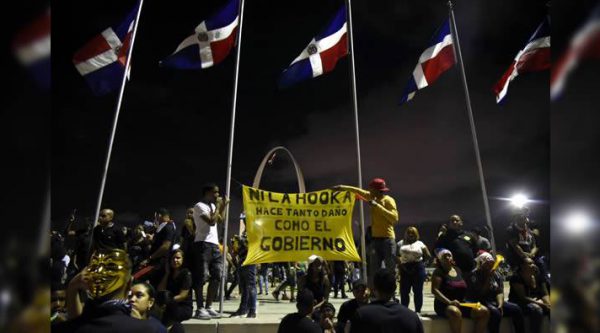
577	223
519	200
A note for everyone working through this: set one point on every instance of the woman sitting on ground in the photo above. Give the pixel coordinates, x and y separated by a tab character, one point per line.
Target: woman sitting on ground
178	281
486	285
530	294
449	289
142	298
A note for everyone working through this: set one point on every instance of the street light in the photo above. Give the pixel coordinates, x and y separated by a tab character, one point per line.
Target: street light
577	223
519	200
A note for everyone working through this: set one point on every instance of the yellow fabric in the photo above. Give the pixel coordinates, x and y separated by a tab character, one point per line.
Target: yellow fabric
476	306
384	214
293	226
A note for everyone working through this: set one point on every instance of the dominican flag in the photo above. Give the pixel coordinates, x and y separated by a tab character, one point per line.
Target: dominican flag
322	53
584	45
211	41
436	59
535	56
102	60
31	46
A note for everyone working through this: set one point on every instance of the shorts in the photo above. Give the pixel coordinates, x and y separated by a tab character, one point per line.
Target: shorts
208	262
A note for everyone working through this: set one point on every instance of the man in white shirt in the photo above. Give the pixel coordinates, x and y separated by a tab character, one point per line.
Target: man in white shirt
208	260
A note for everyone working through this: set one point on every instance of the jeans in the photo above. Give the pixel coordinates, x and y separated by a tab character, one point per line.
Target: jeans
412	276
536	315
248	288
263	278
510	310
381	249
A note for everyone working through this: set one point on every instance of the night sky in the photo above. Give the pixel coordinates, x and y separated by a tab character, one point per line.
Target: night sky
173	131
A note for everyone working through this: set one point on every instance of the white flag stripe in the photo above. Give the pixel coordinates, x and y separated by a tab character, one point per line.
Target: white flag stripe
536	44
97	62
32	52
419	77
322	45
433	51
316	64
111	38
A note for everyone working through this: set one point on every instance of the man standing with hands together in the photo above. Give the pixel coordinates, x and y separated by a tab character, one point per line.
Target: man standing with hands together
208	260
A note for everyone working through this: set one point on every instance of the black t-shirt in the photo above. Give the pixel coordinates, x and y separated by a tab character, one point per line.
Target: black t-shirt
347	310
167	233
383	317
463	248
109	237
297	323
484	289
538	292
97	320
82	248
183	281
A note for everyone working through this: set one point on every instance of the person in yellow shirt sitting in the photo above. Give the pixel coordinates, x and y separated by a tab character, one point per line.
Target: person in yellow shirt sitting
384	216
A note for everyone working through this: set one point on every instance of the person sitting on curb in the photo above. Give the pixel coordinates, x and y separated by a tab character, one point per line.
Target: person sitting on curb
300	322
107	280
384	315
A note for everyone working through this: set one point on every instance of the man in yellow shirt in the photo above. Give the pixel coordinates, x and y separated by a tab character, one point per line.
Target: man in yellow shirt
384	216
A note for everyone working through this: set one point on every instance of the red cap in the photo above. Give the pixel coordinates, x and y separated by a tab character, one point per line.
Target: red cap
378	184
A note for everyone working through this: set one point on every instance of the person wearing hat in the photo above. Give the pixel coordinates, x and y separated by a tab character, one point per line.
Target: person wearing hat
348	308
384	215
486	285
449	290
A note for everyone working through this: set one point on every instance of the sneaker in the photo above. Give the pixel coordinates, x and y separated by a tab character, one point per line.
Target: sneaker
238	314
276	295
251	314
202	314
212	313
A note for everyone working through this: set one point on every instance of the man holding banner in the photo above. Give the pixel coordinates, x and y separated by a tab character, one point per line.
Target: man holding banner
384	216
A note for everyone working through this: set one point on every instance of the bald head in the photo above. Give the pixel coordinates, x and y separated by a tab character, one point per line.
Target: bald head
106	216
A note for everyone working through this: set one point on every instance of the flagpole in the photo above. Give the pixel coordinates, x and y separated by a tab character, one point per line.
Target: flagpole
116	117
458	53
363	251
230	157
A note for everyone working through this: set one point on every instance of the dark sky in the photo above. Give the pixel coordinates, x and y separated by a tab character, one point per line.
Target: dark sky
174	127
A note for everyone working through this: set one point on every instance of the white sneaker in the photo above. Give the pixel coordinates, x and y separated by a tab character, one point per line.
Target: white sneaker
212	313
202	314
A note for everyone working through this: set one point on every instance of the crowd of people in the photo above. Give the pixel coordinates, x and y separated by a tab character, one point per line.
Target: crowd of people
149	276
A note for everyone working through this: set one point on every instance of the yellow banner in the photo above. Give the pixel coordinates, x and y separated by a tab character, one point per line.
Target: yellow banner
294	226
